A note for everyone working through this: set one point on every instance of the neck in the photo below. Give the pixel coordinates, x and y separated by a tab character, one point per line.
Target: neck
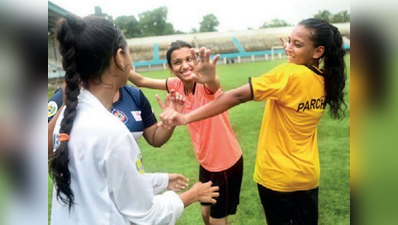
315	63
105	93
188	85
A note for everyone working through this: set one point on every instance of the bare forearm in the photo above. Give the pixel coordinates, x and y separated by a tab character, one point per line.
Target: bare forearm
221	104
188	197
141	81
161	135
214	85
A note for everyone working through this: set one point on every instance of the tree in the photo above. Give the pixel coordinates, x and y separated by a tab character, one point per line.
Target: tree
209	23
129	26
275	23
341	17
325	15
193	31
153	23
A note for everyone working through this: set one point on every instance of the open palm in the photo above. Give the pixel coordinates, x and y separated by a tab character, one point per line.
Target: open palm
205	71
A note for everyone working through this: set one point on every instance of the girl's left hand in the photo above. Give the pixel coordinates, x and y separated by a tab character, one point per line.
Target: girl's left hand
205	71
177	182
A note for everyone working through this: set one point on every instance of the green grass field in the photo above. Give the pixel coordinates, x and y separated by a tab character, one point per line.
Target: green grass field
177	155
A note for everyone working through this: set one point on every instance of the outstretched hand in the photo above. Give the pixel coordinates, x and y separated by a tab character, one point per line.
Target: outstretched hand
170	117
205	71
177	182
284	43
206	192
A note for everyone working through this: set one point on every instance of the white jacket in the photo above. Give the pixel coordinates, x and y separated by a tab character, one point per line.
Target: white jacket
107	177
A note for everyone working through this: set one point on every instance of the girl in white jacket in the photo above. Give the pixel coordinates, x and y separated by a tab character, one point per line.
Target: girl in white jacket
97	170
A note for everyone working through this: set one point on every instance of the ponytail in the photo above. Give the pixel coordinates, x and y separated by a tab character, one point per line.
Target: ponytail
327	35
59	170
335	75
87	46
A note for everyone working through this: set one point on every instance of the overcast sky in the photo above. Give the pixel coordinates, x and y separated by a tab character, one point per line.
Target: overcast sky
232	14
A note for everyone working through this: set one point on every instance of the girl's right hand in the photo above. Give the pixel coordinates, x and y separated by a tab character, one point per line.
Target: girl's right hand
170	118
205	192
284	43
205	70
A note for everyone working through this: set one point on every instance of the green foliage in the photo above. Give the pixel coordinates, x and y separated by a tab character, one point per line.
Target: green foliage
129	26
209	23
150	23
153	23
177	155
275	23
323	14
193	31
340	17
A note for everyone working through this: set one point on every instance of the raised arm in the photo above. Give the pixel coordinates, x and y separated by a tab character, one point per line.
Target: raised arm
141	81
205	70
221	104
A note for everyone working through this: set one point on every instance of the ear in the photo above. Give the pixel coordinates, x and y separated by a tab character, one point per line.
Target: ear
120	58
170	68
318	53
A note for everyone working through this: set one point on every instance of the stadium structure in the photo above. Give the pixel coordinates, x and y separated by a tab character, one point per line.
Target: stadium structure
149	53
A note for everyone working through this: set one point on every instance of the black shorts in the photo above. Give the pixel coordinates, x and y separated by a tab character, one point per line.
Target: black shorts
229	181
296	208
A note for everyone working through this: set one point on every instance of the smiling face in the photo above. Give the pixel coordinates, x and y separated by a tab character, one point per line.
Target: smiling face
300	49
181	64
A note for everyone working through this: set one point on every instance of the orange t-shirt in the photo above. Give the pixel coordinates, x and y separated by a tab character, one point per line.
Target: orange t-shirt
214	141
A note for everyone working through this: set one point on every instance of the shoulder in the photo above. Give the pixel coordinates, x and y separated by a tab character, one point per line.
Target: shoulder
174	83
288	71
131	90
100	122
54	103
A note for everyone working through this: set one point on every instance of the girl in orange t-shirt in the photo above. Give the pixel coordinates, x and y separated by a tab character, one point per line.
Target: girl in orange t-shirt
214	141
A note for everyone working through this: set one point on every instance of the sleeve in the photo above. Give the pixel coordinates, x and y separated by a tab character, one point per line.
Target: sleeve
271	85
133	193
171	83
54	103
147	114
159	181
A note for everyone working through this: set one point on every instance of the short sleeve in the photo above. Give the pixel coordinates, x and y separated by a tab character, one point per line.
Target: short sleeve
54	104
147	114
172	83
272	85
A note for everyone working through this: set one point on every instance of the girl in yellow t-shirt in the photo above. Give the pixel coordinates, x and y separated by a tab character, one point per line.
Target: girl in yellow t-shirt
287	164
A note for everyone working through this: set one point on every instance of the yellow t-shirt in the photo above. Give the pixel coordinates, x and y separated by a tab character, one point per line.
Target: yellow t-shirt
287	156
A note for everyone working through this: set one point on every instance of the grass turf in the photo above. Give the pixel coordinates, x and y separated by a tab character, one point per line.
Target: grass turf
177	155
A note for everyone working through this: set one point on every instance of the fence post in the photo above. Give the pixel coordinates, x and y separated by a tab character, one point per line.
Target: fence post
238	59
253	58
280	55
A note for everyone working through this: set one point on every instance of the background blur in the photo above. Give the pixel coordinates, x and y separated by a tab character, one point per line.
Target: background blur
373	136
246	51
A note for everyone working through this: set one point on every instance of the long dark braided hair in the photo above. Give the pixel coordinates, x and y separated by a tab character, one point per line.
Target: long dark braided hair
327	35
86	45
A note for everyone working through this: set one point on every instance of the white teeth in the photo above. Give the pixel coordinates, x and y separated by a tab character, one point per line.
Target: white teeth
186	73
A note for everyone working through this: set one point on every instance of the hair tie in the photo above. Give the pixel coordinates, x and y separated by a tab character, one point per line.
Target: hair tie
63	137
